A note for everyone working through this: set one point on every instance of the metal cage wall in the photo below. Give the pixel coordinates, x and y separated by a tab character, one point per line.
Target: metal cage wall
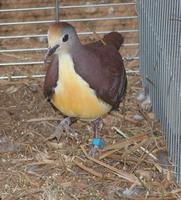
160	57
21	34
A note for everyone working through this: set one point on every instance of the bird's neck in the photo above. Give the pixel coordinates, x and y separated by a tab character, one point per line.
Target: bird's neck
76	49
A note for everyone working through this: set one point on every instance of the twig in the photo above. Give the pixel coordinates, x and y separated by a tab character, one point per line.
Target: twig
21	196
31	192
126	118
160	168
130	120
87	169
108	153
127	141
12	108
119	132
142	148
43	119
134	148
142	183
142	157
146	117
129	177
98	37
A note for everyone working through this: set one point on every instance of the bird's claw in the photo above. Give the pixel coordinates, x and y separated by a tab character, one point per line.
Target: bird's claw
93	152
64	129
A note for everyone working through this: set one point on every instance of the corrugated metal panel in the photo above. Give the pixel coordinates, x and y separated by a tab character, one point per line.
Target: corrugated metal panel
160	63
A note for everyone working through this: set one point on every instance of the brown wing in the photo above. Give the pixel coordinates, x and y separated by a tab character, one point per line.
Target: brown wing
116	81
51	77
102	67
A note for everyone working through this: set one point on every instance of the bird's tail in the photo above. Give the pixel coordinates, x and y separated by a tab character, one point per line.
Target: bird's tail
114	39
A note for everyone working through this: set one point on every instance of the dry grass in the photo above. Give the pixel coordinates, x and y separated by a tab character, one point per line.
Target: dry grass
130	164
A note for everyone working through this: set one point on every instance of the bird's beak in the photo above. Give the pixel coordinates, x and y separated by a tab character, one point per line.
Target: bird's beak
51	51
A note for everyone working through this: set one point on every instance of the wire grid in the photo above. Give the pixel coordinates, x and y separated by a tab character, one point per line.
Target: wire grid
160	59
53	9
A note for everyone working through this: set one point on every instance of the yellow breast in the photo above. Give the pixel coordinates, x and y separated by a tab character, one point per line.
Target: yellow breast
73	96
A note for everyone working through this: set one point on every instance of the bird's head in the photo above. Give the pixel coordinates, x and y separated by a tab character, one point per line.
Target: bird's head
61	38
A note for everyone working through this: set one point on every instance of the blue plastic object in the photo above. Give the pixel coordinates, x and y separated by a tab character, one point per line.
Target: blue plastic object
97	142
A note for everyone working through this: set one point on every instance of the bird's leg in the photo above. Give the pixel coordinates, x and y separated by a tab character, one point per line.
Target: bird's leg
64	128
124	111
95	126
97	142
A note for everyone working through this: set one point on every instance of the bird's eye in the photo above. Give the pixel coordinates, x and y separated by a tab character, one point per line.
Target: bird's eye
65	38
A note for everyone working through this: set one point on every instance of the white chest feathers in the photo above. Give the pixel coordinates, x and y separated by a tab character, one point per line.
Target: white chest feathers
73	96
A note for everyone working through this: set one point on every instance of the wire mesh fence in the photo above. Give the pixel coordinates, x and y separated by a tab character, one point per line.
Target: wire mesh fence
160	57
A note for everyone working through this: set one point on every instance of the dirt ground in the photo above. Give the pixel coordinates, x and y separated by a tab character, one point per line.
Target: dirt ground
32	167
133	163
